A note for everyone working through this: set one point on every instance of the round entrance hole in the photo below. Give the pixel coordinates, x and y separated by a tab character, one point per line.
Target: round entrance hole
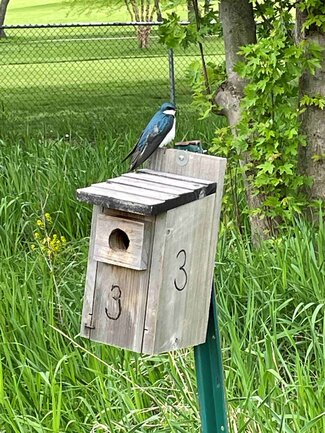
118	240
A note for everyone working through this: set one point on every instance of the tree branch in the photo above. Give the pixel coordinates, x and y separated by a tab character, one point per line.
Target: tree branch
127	4
205	72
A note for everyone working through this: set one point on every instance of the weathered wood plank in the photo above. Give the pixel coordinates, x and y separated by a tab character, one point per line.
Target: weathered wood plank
87	316
144	192
176	176
111	246
120	296
165	310
119	306
117	200
107	194
164	180
122	180
178	297
203	166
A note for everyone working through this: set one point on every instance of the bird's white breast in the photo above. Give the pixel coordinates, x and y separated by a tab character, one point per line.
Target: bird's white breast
170	136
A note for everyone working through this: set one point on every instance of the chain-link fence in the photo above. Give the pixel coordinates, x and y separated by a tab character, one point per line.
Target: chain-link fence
57	67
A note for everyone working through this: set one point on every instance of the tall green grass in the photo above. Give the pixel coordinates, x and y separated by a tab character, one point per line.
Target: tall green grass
271	303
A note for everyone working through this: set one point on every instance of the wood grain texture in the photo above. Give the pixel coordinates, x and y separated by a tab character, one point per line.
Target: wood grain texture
175	176
200	166
86	322
186	319
122	180
165	306
143	192
116	297
135	253
158	179
118	200
179	290
120	298
138	199
119	306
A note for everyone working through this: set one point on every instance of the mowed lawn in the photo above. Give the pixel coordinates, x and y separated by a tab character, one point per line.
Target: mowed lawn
60	68
57	11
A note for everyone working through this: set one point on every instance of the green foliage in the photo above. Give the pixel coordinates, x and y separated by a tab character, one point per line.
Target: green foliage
270	11
201	100
201	77
173	34
315	14
268	137
316	101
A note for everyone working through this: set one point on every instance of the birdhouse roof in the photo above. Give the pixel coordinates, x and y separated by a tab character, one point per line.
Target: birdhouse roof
146	192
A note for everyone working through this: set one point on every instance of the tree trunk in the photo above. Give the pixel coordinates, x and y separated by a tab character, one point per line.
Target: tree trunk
312	157
143	14
239	29
144	36
3	10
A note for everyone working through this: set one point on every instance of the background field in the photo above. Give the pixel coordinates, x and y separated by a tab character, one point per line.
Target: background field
57	11
271	299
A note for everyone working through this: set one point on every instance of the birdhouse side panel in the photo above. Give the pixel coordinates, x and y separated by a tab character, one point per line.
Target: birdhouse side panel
86	323
180	281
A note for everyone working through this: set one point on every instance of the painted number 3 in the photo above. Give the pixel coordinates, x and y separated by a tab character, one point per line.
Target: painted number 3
114	308
181	280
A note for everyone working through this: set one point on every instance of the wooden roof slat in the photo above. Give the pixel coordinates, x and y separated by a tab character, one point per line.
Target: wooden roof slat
175	176
164	180
146	193
136	190
142	183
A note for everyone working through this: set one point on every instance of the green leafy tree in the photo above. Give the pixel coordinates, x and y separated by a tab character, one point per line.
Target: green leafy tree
267	139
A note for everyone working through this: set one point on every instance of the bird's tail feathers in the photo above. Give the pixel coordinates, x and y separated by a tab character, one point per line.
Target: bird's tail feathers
130	153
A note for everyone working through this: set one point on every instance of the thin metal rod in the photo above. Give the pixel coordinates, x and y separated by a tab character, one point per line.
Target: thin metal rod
171	75
110	24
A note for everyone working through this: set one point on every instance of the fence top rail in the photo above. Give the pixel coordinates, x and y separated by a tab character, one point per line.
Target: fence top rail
107	24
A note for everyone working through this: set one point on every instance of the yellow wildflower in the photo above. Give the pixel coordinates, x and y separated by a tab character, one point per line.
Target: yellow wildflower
40	224
48	217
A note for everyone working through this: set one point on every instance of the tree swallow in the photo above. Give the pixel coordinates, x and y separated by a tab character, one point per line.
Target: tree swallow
159	132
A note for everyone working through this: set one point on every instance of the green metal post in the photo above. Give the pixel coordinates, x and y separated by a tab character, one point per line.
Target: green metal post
209	373
208	359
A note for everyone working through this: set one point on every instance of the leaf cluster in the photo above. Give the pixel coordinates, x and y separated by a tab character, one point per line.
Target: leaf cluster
173	33
315	14
267	137
201	100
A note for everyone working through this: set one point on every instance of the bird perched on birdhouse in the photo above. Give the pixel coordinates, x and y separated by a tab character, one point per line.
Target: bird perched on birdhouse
158	133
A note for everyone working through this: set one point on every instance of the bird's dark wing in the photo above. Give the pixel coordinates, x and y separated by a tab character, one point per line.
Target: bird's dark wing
134	149
150	139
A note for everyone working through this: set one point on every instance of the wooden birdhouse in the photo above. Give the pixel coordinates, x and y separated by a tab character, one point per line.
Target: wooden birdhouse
152	252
